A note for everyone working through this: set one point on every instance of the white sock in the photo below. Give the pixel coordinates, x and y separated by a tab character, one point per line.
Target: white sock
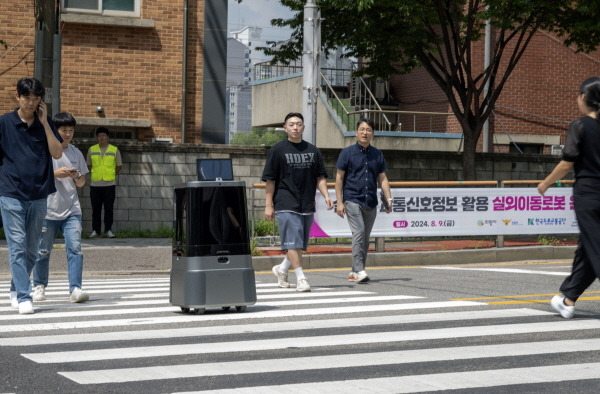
285	265
299	273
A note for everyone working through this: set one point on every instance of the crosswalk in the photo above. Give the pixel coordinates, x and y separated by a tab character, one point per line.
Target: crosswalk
334	339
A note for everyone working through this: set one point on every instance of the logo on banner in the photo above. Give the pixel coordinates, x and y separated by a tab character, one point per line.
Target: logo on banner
400	224
506	221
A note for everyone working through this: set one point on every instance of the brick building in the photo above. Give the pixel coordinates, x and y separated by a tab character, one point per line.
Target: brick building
126	57
535	106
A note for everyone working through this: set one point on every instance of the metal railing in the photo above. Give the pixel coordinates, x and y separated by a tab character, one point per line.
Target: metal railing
361	102
365	104
337	76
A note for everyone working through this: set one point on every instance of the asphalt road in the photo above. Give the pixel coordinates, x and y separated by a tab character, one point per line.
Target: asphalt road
471	328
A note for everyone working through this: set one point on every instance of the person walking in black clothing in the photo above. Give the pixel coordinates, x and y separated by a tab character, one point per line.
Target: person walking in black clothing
293	172
582	153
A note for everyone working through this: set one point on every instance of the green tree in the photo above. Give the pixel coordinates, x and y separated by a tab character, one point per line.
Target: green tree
267	136
438	35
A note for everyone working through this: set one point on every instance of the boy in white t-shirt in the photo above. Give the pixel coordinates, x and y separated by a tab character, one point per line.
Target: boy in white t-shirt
63	214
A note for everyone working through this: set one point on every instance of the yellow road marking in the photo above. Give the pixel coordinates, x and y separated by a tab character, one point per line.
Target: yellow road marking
535	301
516	296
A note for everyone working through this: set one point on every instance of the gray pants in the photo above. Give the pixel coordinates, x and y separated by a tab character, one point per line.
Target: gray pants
361	221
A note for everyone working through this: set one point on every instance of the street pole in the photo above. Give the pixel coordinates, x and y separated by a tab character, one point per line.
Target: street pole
311	69
486	63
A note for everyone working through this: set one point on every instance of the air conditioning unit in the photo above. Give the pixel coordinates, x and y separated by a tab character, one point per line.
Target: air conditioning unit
556	149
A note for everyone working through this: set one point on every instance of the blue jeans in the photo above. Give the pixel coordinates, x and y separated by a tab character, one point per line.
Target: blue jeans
71	230
22	227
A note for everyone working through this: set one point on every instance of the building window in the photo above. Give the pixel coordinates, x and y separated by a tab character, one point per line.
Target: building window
116	133
535	149
104	7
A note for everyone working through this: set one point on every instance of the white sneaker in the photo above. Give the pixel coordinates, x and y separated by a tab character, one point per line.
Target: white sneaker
558	303
282	278
110	234
39	293
352	276
94	234
361	277
25	308
14	302
302	285
77	295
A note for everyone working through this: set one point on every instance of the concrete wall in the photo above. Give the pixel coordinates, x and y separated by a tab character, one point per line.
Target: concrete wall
131	66
271	101
150	170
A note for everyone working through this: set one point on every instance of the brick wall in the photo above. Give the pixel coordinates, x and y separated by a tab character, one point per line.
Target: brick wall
539	97
133	72
17	61
150	170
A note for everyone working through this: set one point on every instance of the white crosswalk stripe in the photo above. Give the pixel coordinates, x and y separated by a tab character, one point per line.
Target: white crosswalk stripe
129	333
325	362
436	382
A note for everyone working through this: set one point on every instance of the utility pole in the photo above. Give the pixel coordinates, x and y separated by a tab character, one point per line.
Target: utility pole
486	64
47	52
311	70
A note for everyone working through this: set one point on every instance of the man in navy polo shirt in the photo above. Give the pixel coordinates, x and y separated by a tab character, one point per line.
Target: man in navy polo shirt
28	142
359	168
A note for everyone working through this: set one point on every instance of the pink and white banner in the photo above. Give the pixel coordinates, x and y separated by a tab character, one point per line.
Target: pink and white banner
461	211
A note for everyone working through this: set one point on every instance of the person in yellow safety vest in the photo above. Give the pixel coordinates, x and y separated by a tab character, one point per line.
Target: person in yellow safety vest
104	162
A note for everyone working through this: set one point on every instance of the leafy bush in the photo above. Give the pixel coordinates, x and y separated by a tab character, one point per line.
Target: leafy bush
265	227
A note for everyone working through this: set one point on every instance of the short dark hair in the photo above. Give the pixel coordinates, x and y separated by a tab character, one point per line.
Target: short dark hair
293	115
27	86
64	119
367	121
102	130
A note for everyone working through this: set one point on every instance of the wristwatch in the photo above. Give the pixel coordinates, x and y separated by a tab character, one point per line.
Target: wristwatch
78	176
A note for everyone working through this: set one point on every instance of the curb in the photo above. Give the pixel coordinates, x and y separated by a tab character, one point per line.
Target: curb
161	265
467	256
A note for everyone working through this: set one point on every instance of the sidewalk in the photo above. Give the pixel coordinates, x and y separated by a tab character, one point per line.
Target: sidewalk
129	256
119	256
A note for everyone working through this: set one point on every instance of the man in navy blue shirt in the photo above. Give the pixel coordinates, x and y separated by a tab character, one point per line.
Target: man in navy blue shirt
359	168
28	142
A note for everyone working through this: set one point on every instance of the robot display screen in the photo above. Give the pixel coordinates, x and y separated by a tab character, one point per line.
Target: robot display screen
211	169
211	220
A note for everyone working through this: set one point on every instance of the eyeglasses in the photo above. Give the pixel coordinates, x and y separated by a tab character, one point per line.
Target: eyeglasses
367	129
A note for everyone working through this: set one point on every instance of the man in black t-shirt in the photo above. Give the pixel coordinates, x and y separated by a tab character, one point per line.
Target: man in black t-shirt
293	171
